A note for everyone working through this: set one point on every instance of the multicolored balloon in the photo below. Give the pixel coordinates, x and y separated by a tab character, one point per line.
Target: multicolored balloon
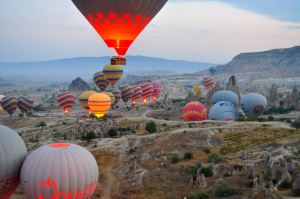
225	95
119	22
127	92
25	104
13	153
253	104
137	94
157	88
9	104
1	97
99	104
66	101
100	81
223	111
83	99
147	89
60	170
194	111
118	94
208	82
113	73
112	97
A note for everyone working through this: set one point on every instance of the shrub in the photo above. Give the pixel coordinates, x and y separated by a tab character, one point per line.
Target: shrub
90	135
188	156
296	124
207	150
271	118
112	132
151	127
207	171
175	159
215	158
224	190
285	184
198	195
41	124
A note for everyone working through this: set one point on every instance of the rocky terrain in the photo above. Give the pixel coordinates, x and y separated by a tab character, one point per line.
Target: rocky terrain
272	63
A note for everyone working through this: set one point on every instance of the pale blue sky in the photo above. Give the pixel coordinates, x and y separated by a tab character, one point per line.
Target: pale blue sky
201	30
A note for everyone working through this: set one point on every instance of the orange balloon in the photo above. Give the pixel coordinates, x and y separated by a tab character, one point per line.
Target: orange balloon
99	104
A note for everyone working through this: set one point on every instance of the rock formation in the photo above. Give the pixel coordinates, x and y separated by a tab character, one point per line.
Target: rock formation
78	85
273	97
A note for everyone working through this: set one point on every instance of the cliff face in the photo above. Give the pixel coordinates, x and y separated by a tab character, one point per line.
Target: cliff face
273	63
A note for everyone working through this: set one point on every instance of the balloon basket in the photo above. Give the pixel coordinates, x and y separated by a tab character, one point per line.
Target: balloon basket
117	60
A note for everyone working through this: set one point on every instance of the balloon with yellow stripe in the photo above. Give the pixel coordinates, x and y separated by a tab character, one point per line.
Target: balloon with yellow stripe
194	111
113	73
99	104
197	89
83	99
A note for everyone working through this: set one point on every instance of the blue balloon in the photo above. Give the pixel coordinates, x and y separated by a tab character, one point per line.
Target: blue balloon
253	104
223	111
225	95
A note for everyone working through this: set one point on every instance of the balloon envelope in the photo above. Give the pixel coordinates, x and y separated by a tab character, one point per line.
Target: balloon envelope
127	92
113	73
147	89
119	22
213	70
83	99
112	97
117	93
60	170
208	82
223	111
9	104
99	104
12	154
66	101
253	104
194	111
137	94
157	88
197	89
25	104
100	81
225	95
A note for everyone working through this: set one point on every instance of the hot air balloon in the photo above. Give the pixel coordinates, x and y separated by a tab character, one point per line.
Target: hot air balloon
225	95
13	153
113	73
99	104
25	104
66	101
1	97
223	111
157	88
127	92
112	97
83	99
197	89
189	86
117	93
147	89
253	104
119	22
100	81
60	170
194	111
9	104
137	94
208	82
212	71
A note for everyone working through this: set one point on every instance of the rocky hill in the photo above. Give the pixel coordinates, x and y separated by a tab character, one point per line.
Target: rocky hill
272	63
78	85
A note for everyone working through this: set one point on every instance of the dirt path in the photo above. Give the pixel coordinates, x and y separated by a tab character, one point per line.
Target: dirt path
110	179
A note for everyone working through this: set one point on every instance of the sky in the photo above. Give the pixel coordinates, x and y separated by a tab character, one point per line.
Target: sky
211	31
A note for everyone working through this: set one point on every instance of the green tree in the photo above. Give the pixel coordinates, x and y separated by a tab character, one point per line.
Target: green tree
296	124
112	132
90	135
215	158
151	127
188	156
224	190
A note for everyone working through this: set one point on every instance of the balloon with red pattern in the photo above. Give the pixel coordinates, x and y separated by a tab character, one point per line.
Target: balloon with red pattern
147	89
137	94
66	101
119	22
157	88
194	111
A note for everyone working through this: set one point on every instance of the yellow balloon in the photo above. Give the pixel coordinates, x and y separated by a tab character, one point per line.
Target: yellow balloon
99	104
197	89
